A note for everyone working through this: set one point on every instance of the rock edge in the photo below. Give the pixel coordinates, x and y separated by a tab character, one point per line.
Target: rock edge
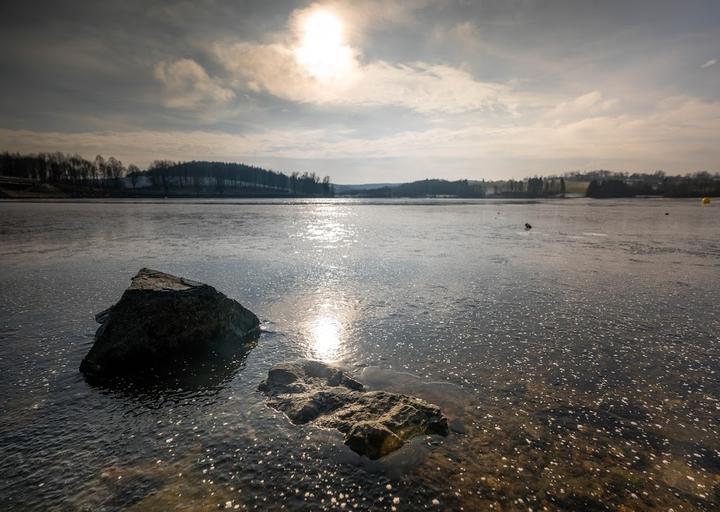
161	319
375	423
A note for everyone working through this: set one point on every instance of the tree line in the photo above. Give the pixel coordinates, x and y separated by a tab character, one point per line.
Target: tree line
71	171
698	184
529	187
603	183
425	188
61	168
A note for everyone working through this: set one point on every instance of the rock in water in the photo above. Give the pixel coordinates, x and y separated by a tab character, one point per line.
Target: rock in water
375	423
161	319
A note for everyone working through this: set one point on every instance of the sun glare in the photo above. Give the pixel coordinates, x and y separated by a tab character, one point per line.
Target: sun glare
323	30
326	338
321	50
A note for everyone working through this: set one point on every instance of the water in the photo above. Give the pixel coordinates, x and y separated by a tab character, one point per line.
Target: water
578	361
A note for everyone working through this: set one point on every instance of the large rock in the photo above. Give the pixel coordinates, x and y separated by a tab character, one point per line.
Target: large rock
161	320
375	423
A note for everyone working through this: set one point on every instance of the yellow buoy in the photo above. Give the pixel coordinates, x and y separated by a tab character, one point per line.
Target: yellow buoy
705	201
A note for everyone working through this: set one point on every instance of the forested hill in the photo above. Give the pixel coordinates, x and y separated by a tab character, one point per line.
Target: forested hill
226	178
74	175
426	188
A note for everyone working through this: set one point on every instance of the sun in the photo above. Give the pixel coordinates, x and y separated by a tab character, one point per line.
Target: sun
323	30
322	51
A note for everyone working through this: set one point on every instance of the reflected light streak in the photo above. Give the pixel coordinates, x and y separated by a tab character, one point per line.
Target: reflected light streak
326	331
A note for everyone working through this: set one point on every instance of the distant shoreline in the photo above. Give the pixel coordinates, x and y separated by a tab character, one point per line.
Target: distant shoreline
299	201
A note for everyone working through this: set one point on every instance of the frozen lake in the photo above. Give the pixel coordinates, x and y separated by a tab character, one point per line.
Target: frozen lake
579	361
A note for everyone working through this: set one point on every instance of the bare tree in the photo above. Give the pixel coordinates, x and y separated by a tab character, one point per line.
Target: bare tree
134	174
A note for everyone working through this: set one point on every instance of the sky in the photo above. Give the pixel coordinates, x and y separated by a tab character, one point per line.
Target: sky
368	91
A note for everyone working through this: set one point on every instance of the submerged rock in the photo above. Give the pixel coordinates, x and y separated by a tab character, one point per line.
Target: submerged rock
375	423
162	319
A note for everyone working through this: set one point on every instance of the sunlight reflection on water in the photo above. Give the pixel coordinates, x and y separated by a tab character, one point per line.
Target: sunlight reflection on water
326	333
329	227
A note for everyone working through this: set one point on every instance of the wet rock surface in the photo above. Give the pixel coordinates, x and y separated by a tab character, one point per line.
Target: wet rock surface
162	321
375	423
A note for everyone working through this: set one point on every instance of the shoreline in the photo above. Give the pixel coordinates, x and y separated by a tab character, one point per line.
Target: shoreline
290	200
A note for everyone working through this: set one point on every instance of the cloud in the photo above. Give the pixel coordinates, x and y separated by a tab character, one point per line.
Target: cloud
581	107
709	63
144	146
188	85
678	137
465	35
420	86
338	75
426	87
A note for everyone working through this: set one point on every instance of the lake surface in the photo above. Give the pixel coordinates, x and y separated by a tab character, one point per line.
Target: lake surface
579	361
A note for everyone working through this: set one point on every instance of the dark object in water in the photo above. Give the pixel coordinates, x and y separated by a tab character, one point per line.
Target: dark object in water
375	423
162	321
667	213
527	226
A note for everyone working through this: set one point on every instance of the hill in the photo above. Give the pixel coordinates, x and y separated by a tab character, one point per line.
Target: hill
75	176
424	188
